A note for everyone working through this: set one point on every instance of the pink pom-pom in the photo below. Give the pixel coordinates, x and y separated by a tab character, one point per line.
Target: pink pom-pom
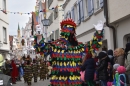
121	69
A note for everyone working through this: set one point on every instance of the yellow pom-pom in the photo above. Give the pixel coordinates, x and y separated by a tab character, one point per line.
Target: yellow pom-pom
82	49
60	63
63	51
100	43
60	78
71	64
70	78
78	78
58	51
64	64
90	42
39	49
66	38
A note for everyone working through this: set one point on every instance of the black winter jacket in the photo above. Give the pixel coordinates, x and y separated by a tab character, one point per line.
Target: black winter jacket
102	73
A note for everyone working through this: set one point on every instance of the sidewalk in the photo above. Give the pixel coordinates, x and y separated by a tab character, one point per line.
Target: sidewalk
39	83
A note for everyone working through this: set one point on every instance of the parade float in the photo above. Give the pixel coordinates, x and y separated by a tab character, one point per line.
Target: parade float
66	52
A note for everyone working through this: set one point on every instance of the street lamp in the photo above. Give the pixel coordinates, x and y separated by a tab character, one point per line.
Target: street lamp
1	44
46	23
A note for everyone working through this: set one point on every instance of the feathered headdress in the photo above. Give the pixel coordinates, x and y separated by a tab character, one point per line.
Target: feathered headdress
67	22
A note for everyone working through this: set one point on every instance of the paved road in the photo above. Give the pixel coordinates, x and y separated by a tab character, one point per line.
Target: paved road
39	83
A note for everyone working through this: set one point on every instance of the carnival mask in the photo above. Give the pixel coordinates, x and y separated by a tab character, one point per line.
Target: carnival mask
38	30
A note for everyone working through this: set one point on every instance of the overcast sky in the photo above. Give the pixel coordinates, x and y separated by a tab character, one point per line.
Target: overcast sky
24	6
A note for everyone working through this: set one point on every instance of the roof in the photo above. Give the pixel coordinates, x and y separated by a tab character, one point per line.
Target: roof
34	19
10	38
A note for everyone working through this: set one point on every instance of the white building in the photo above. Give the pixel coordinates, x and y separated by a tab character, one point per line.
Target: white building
4	23
41	16
55	15
86	13
27	48
119	18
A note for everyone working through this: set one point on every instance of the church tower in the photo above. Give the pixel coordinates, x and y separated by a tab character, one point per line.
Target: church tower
18	32
19	37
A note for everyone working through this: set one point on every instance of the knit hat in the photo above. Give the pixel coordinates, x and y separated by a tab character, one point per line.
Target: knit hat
102	55
115	66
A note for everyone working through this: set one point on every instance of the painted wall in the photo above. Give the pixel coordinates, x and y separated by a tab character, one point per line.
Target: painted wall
4	22
122	30
118	9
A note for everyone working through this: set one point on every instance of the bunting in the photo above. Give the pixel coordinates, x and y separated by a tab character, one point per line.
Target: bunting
28	13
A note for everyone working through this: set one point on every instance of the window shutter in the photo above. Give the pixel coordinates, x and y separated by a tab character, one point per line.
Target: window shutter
65	17
90	7
78	10
101	3
82	10
72	14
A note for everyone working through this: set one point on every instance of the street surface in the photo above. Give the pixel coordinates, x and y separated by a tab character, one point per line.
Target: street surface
39	83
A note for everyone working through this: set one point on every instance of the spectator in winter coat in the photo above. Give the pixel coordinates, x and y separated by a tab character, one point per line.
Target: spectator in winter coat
110	65
111	57
102	73
127	60
119	56
89	68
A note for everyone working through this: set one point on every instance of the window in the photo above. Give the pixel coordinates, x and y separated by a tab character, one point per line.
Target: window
65	17
49	3
128	39
55	12
56	34
81	7
52	36
90	7
78	12
97	4
51	18
4	35
4	4
73	14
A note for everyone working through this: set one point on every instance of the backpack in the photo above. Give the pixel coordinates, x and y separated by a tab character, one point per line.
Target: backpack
120	80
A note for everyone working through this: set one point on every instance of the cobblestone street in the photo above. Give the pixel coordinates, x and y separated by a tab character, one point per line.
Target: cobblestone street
39	83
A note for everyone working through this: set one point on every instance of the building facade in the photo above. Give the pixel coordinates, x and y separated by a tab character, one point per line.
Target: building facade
27	45
85	13
4	23
119	18
54	12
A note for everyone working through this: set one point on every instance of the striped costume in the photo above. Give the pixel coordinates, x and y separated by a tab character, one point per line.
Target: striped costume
28	74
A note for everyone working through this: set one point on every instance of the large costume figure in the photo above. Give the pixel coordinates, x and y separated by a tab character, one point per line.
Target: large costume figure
66	53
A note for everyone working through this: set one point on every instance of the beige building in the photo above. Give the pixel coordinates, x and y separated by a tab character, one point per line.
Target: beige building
85	13
55	15
119	18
